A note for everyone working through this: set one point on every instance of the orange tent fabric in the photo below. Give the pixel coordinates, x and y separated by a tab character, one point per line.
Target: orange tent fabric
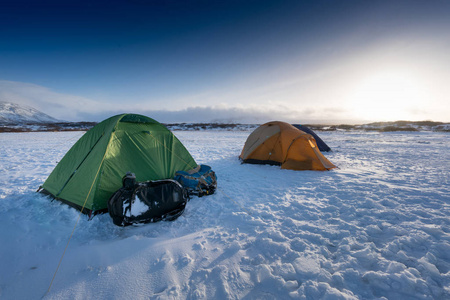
279	143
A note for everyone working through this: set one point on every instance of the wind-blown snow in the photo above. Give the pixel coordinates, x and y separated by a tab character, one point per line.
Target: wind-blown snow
376	228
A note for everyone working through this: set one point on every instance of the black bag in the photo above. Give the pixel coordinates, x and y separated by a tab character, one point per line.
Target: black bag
146	202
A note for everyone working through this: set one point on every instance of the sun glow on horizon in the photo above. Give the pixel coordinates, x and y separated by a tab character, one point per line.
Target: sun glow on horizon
387	96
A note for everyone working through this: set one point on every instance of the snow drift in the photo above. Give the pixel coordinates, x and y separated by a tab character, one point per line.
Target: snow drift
378	227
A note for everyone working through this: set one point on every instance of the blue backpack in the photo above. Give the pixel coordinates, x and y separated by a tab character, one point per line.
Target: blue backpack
200	181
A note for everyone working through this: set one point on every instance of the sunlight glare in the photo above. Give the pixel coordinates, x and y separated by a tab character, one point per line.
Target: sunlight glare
386	96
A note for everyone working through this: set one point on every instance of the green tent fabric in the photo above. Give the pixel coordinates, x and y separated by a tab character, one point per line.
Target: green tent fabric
92	170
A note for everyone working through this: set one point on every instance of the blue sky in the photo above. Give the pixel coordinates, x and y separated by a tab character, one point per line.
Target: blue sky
228	61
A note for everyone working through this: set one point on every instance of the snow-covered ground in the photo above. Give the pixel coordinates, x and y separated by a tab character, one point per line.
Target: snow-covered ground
376	228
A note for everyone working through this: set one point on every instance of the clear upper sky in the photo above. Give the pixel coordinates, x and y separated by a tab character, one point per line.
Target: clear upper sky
228	61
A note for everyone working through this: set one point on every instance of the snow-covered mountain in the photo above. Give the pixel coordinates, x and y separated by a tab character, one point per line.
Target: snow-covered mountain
11	113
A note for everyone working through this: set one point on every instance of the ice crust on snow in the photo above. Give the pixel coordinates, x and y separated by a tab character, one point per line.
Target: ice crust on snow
378	227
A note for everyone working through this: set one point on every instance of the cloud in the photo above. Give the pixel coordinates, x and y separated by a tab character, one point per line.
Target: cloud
58	105
250	114
76	108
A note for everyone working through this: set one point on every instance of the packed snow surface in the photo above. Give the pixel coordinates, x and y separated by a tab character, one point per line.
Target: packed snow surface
378	227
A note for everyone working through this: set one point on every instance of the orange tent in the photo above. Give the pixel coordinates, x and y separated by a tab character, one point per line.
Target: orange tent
279	143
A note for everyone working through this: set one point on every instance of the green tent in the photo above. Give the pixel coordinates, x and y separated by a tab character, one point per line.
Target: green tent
92	170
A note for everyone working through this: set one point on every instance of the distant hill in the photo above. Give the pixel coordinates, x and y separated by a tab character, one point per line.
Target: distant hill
388	126
15	114
21	118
